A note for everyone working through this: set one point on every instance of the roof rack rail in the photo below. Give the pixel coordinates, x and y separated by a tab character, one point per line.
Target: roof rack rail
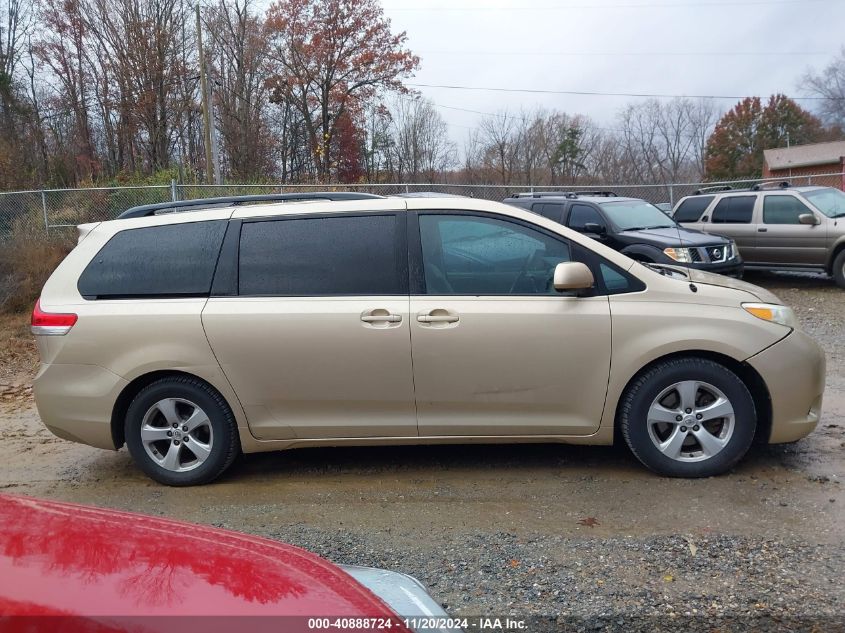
713	189
760	186
564	194
147	210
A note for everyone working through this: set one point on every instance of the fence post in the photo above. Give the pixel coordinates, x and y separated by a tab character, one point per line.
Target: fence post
44	208
173	195
671	195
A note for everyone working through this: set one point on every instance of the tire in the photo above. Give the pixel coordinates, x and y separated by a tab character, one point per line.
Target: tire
692	446
839	269
181	432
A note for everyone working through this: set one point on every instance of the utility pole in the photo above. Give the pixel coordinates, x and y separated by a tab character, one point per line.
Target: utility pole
212	166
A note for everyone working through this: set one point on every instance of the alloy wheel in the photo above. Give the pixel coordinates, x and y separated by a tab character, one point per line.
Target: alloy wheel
691	421
177	434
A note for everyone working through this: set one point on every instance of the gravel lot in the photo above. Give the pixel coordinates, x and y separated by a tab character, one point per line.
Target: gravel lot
573	538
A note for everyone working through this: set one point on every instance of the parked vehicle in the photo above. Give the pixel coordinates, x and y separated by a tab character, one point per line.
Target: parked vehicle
192	336
780	228
104	570
634	227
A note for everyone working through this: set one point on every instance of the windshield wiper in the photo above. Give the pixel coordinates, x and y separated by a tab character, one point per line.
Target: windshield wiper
838	215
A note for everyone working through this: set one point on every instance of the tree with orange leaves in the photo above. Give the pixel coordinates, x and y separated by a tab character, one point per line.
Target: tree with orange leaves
334	56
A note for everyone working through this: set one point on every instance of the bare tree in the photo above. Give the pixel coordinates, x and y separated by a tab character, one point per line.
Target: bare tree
829	85
420	145
238	52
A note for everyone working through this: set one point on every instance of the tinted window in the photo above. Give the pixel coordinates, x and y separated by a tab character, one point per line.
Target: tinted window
691	209
734	210
783	209
581	214
321	256
172	260
551	211
483	256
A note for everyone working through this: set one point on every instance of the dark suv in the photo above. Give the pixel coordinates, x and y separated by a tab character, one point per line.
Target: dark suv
634	227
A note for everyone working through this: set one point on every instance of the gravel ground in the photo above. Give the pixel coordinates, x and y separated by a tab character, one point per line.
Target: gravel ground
561	537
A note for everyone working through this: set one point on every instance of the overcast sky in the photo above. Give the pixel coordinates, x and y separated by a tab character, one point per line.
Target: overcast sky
676	47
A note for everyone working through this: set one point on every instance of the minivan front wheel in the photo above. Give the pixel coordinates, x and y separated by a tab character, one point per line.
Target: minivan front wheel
688	417
181	432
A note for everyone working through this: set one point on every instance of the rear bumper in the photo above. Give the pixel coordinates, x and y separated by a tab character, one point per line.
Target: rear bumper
75	402
794	372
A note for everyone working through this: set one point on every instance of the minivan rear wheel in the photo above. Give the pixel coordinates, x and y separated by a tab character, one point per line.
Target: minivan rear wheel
181	432
688	417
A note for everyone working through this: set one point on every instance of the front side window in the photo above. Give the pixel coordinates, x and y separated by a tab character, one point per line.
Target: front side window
474	255
580	215
734	210
172	260
335	255
691	209
783	210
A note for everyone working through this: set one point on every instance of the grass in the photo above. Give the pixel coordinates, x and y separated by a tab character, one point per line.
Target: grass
25	264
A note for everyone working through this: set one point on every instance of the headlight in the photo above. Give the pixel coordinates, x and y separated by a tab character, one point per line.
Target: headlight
679	254
732	250
770	312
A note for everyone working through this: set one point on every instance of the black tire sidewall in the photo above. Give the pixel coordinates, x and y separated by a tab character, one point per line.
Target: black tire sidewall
219	415
839	269
639	399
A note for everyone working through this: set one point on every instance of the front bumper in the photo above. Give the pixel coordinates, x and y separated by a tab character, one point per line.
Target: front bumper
731	268
794	372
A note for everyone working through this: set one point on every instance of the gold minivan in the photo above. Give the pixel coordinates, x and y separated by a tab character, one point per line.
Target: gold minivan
194	331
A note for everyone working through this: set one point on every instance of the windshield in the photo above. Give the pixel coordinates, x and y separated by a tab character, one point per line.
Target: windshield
829	201
631	215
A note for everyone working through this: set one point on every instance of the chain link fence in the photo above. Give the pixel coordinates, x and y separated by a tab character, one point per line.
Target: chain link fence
54	212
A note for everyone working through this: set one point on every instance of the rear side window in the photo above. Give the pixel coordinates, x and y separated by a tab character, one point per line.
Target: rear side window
551	211
159	261
339	255
783	209
734	210
691	209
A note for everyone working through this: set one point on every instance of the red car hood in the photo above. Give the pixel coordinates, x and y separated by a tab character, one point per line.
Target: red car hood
65	559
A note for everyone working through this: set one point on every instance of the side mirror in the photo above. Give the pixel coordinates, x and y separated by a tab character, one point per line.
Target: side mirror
808	218
594	227
572	276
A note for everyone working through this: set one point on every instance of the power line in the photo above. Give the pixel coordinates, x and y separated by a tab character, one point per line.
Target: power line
603	94
630	54
647	5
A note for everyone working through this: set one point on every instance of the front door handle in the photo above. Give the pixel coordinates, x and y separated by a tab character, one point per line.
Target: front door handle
762	229
438	316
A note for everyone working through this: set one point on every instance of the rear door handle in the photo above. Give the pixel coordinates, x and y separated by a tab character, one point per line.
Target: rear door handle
380	318
375	318
762	230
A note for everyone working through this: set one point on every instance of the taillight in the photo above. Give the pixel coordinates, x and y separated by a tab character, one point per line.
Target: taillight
50	323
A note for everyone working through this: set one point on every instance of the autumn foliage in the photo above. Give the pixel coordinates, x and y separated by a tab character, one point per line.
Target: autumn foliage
334	55
735	148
